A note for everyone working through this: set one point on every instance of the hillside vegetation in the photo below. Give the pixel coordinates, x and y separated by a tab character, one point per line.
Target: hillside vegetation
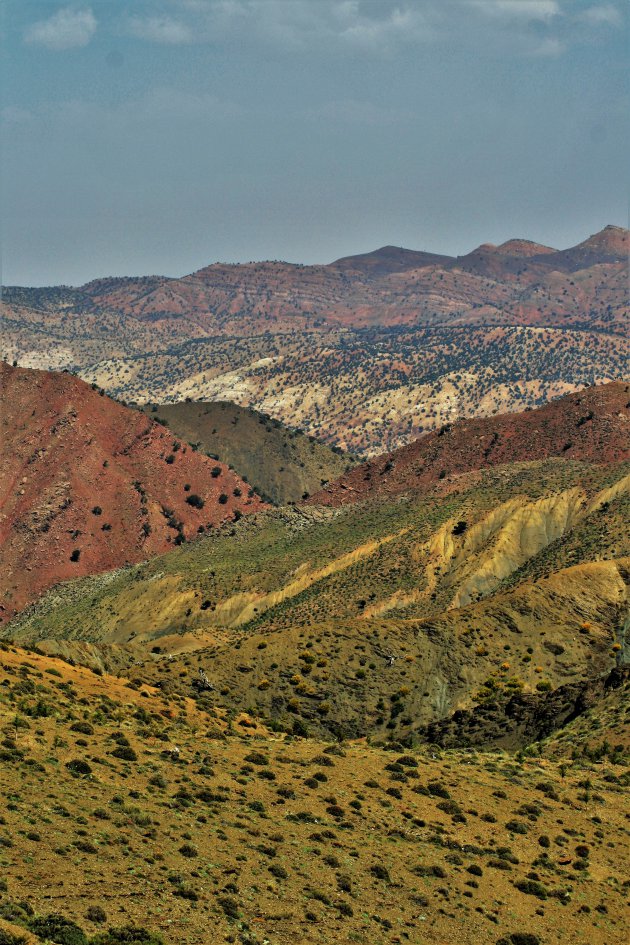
396	712
138	817
87	485
282	465
375	617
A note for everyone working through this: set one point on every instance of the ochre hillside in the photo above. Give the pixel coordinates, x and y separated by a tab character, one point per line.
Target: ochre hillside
87	485
592	425
139	818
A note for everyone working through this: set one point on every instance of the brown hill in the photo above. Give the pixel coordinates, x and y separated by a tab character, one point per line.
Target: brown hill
389	259
389	286
610	245
592	425
88	485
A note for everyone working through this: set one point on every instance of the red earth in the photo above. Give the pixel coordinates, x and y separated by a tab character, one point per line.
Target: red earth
592	425
88	485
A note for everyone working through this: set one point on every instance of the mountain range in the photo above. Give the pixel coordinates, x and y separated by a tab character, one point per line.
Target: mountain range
366	353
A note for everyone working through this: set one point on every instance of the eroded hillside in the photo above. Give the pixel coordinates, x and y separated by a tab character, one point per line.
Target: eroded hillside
379	616
87	485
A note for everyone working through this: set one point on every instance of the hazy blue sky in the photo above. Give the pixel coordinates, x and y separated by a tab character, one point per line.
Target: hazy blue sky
156	137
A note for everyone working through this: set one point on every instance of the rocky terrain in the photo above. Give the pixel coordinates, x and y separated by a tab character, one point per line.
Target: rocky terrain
87	485
366	353
394	712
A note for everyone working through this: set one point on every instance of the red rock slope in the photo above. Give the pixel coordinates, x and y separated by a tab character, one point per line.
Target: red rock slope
84	478
591	425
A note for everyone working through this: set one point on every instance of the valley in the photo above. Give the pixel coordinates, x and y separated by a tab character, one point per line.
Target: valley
288	695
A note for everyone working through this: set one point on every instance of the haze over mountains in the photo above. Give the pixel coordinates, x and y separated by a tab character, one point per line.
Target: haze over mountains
366	353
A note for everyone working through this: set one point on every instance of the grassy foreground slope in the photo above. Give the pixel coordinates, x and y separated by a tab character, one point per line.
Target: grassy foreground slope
135	817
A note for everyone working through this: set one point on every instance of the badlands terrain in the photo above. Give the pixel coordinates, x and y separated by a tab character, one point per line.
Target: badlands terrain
319	632
394	712
366	353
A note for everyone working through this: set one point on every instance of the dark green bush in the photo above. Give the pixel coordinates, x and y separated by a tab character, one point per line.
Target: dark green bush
56	928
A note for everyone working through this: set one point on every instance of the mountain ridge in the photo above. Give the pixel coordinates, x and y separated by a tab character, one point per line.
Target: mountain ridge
592	425
365	354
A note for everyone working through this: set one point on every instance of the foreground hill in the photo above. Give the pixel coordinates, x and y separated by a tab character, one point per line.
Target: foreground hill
376	617
87	485
282	465
366	353
592	425
146	818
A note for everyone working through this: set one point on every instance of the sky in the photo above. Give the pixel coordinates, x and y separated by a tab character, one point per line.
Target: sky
158	136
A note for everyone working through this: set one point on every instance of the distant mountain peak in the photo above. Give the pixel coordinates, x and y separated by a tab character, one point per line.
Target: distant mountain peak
519	247
612	239
388	259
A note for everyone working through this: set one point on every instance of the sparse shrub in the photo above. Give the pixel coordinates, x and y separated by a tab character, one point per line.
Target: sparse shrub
520	938
78	767
257	758
96	914
128	935
125	753
229	906
188	850
532	887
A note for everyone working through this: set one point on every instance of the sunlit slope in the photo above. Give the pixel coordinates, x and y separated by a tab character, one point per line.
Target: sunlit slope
439	597
131	807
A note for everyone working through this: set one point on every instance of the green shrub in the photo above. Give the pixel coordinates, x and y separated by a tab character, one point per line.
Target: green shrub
77	766
56	928
128	935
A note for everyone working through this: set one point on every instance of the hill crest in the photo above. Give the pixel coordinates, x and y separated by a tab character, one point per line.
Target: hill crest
592	425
